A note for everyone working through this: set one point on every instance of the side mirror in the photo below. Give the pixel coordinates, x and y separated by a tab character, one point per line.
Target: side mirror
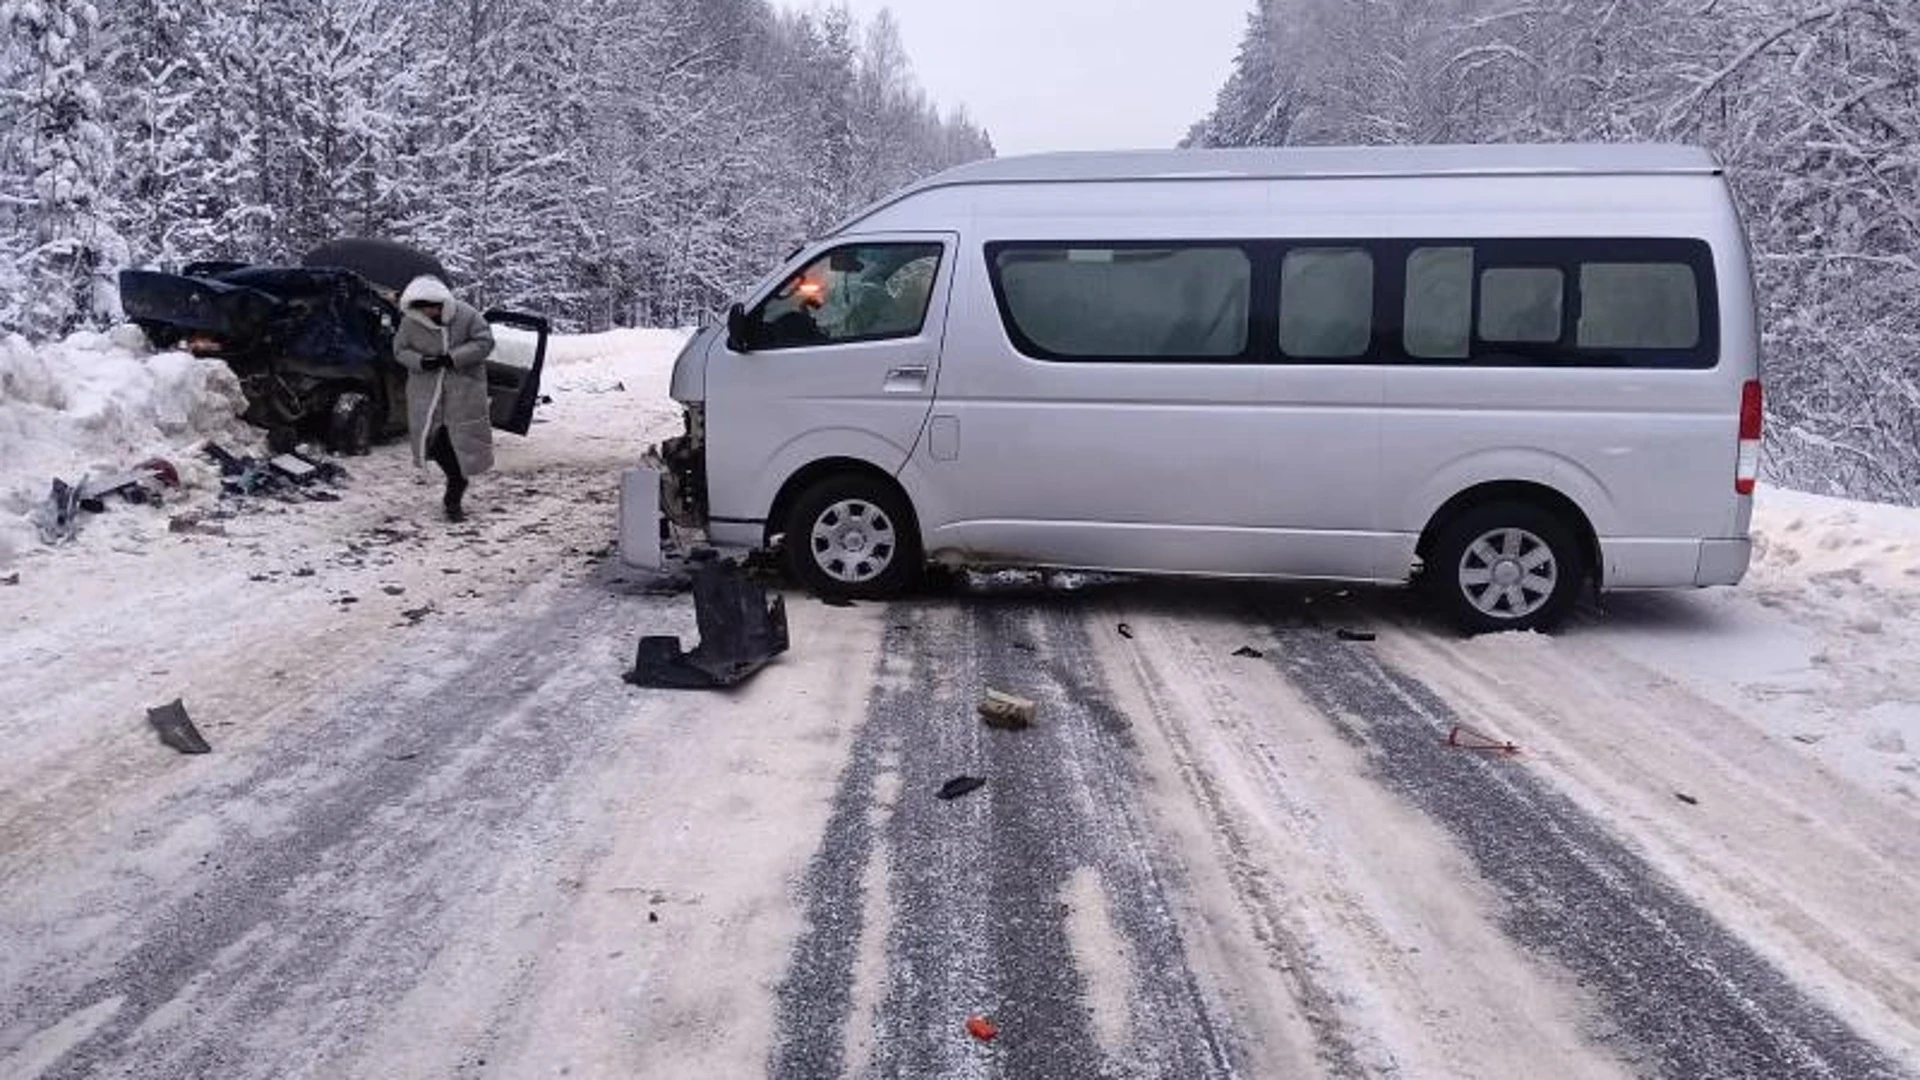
737	329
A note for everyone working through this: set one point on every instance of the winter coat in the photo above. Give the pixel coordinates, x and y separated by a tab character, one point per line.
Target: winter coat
453	396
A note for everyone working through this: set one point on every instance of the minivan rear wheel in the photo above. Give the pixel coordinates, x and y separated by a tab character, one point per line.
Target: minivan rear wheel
1505	566
852	537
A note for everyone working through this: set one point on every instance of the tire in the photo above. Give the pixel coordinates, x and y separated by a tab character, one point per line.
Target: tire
1505	566
350	424
851	537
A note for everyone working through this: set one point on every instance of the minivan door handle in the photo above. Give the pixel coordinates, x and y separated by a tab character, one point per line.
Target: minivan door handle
906	379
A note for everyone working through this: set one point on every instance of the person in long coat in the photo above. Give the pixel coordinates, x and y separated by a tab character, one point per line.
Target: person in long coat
444	344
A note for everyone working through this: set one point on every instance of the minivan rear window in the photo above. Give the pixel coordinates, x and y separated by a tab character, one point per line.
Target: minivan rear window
1574	302
1638	306
1069	301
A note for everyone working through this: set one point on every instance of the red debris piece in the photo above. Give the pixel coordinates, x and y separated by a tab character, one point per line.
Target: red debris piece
982	1028
162	470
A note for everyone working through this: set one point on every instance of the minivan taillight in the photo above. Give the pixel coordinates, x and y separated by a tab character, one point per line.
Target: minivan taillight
1751	415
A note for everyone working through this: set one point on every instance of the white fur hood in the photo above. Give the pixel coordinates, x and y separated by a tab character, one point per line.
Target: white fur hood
424	290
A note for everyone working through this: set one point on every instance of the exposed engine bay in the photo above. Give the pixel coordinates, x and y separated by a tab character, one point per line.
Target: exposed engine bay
681	462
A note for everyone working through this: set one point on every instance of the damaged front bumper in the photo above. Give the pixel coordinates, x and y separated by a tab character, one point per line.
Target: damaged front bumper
666	497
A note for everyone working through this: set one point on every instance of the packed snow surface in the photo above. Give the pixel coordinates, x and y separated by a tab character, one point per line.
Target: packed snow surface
500	852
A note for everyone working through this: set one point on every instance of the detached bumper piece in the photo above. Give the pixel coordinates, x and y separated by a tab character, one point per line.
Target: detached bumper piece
741	630
176	730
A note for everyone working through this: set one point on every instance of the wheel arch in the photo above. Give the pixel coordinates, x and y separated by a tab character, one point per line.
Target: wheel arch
814	472
1522	491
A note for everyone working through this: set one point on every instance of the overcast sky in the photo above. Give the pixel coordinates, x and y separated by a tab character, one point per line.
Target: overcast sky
1069	74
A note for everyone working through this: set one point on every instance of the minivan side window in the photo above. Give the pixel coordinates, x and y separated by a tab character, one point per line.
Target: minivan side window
1647	303
1100	301
862	292
1521	304
1326	303
1638	306
1438	312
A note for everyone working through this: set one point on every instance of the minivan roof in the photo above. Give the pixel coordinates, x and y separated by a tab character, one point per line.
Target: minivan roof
1308	162
1320	162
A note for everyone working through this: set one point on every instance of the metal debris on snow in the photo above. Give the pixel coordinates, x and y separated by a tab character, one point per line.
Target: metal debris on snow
1007	712
176	729
1463	737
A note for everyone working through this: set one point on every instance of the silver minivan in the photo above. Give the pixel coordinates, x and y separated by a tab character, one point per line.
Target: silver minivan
1502	372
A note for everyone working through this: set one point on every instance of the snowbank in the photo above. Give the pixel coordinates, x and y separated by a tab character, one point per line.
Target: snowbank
99	403
1820	538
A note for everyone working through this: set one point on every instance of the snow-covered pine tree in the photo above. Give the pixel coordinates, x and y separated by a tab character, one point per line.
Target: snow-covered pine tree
57	198
1814	107
605	161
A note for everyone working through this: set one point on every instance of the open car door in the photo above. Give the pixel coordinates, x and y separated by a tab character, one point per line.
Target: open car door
513	371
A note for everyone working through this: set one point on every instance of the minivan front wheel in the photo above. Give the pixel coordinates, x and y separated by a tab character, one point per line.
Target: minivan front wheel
1505	566
852	537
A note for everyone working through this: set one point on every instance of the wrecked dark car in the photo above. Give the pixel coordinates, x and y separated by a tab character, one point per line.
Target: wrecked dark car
313	344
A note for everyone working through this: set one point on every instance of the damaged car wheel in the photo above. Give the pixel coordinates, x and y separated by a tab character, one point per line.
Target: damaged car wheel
350	424
852	537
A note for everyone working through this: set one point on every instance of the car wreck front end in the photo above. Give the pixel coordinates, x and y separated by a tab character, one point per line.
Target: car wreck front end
664	501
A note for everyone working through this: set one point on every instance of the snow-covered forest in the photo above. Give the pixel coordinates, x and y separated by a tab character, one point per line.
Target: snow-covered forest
1814	105
604	161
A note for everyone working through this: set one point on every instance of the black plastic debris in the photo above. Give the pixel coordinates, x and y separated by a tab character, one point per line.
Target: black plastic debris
1355	635
57	516
1686	798
289	474
1126	631
176	730
958	786
741	629
1249	652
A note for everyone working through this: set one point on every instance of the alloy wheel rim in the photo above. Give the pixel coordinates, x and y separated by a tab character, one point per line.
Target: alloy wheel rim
853	541
1508	573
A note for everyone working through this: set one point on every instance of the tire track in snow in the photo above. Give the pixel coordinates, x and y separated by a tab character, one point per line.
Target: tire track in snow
978	896
297	937
1685	999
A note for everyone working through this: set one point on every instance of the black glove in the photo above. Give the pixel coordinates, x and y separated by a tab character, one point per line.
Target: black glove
435	363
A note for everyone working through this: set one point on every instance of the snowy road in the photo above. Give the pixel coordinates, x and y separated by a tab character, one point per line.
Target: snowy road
439	837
